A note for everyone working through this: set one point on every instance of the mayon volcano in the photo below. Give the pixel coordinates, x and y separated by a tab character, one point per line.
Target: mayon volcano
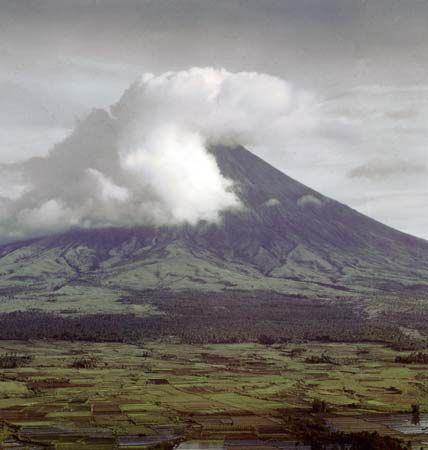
160	193
285	238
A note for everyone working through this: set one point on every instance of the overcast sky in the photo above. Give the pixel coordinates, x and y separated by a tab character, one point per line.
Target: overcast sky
363	62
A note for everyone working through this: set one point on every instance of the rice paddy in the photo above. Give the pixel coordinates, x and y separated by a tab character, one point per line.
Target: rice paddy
210	395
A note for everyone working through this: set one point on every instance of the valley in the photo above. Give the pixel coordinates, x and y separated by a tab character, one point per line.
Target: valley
68	395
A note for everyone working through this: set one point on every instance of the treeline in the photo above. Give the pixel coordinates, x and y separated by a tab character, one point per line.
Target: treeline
413	358
94	327
356	441
414	316
84	362
215	318
13	360
314	431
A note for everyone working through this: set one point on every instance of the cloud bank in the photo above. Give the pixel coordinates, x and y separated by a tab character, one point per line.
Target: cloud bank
146	160
386	168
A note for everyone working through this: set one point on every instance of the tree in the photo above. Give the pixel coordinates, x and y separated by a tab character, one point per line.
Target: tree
319	406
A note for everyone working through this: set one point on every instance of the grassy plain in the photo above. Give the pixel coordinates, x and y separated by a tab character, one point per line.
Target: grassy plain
207	391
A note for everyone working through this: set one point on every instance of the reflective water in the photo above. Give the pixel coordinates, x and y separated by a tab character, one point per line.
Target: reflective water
248	443
201	445
407	423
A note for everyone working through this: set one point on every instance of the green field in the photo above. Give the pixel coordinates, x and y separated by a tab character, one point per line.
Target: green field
208	391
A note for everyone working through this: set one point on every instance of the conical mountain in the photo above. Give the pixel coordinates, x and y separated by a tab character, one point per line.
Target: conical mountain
286	238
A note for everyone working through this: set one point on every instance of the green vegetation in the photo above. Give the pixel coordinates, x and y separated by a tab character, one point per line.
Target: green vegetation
226	317
413	358
84	362
159	389
319	406
13	360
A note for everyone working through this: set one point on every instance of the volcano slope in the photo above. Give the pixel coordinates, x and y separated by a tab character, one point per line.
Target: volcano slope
286	241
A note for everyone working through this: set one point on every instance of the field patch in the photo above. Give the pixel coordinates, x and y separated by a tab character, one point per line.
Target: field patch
137	392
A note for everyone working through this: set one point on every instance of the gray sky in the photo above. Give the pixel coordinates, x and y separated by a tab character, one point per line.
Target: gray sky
364	61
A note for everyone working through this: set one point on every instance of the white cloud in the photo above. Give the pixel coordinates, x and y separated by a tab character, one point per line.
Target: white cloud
50	215
146	160
382	168
175	164
107	190
272	202
309	200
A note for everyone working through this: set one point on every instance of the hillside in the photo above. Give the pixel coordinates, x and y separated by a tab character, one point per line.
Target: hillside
286	238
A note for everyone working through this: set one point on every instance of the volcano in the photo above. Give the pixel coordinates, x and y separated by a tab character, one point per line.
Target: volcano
287	238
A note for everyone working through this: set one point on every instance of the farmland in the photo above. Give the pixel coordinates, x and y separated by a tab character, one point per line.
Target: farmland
108	395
